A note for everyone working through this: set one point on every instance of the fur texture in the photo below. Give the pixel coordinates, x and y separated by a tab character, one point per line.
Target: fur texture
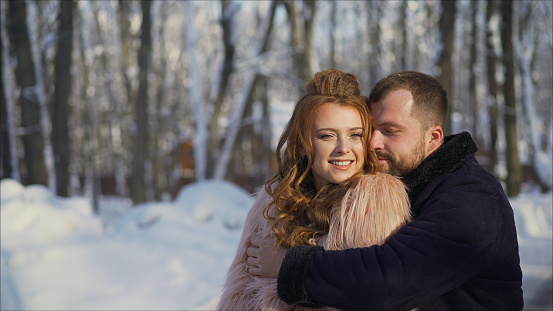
376	208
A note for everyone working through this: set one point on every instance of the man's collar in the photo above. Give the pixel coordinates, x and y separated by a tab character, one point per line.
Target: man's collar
445	159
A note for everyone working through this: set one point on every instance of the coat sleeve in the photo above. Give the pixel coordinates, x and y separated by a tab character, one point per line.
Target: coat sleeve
447	244
238	292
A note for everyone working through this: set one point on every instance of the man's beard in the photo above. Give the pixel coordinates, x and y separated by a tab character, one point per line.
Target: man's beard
402	168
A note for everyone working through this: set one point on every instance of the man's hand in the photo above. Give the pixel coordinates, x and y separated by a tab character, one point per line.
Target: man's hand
264	258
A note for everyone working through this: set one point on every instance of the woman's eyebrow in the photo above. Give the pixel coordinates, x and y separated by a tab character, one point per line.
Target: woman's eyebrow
326	129
335	130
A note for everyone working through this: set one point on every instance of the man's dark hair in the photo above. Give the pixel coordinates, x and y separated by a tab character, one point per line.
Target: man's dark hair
429	96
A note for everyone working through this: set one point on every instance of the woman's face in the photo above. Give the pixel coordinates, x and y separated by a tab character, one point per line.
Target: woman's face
336	136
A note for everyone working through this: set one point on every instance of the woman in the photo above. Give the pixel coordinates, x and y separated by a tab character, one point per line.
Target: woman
327	190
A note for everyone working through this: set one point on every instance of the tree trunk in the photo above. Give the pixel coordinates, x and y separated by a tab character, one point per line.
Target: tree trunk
10	161
228	12
157	155
113	144
6	168
125	26
514	169
301	27
138	184
60	107
246	131
374	10
473	98
33	140
125	107
404	45
196	97
87	118
493	88
332	38
246	97
310	9
445	61
526	51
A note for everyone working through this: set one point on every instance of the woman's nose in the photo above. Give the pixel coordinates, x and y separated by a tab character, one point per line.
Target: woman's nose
343	146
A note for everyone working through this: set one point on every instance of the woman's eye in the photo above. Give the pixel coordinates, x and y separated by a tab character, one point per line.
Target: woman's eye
357	135
326	136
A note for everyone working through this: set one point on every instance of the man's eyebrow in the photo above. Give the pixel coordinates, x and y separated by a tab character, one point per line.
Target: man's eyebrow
391	124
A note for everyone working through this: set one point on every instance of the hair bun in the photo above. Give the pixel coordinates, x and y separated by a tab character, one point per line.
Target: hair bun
335	83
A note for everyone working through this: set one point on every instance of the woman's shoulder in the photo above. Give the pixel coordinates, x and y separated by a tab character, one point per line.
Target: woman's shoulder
262	199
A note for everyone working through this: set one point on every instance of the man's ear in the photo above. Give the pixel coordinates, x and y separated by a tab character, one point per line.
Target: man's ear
435	139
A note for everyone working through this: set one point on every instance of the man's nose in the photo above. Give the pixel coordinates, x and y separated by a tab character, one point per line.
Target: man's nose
376	141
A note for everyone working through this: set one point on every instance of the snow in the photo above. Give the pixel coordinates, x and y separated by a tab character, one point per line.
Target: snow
57	255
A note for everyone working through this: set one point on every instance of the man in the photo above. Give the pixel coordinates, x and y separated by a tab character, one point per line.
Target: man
460	251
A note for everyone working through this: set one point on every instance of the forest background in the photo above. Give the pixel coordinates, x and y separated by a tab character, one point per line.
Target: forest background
138	98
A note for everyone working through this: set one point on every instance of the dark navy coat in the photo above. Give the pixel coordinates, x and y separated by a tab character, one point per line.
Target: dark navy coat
460	251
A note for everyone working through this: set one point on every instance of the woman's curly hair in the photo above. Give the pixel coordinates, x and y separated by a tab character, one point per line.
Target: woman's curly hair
302	212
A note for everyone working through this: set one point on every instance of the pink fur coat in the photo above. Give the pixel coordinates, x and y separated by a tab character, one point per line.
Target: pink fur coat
376	208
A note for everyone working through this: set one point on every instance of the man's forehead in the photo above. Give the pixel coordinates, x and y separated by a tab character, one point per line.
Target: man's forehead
394	110
399	101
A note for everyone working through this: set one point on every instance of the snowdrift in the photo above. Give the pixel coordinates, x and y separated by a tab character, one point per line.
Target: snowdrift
57	255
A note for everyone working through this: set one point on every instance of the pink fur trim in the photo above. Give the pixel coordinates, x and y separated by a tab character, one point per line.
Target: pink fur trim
369	213
376	208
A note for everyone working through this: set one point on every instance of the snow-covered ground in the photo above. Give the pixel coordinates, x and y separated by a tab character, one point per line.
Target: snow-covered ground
56	255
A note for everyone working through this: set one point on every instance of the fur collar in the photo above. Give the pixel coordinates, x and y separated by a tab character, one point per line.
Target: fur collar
446	159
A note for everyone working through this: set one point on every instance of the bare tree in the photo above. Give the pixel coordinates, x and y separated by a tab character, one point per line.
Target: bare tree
246	96
493	88
403	24
157	127
374	11
126	107
6	148
10	161
445	61
244	152
332	37
228	12
140	141
473	98
514	169
196	97
33	140
60	105
526	45
246	74
301	27
125	24
87	117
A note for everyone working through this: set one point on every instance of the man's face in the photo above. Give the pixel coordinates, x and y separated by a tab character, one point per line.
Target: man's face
397	139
